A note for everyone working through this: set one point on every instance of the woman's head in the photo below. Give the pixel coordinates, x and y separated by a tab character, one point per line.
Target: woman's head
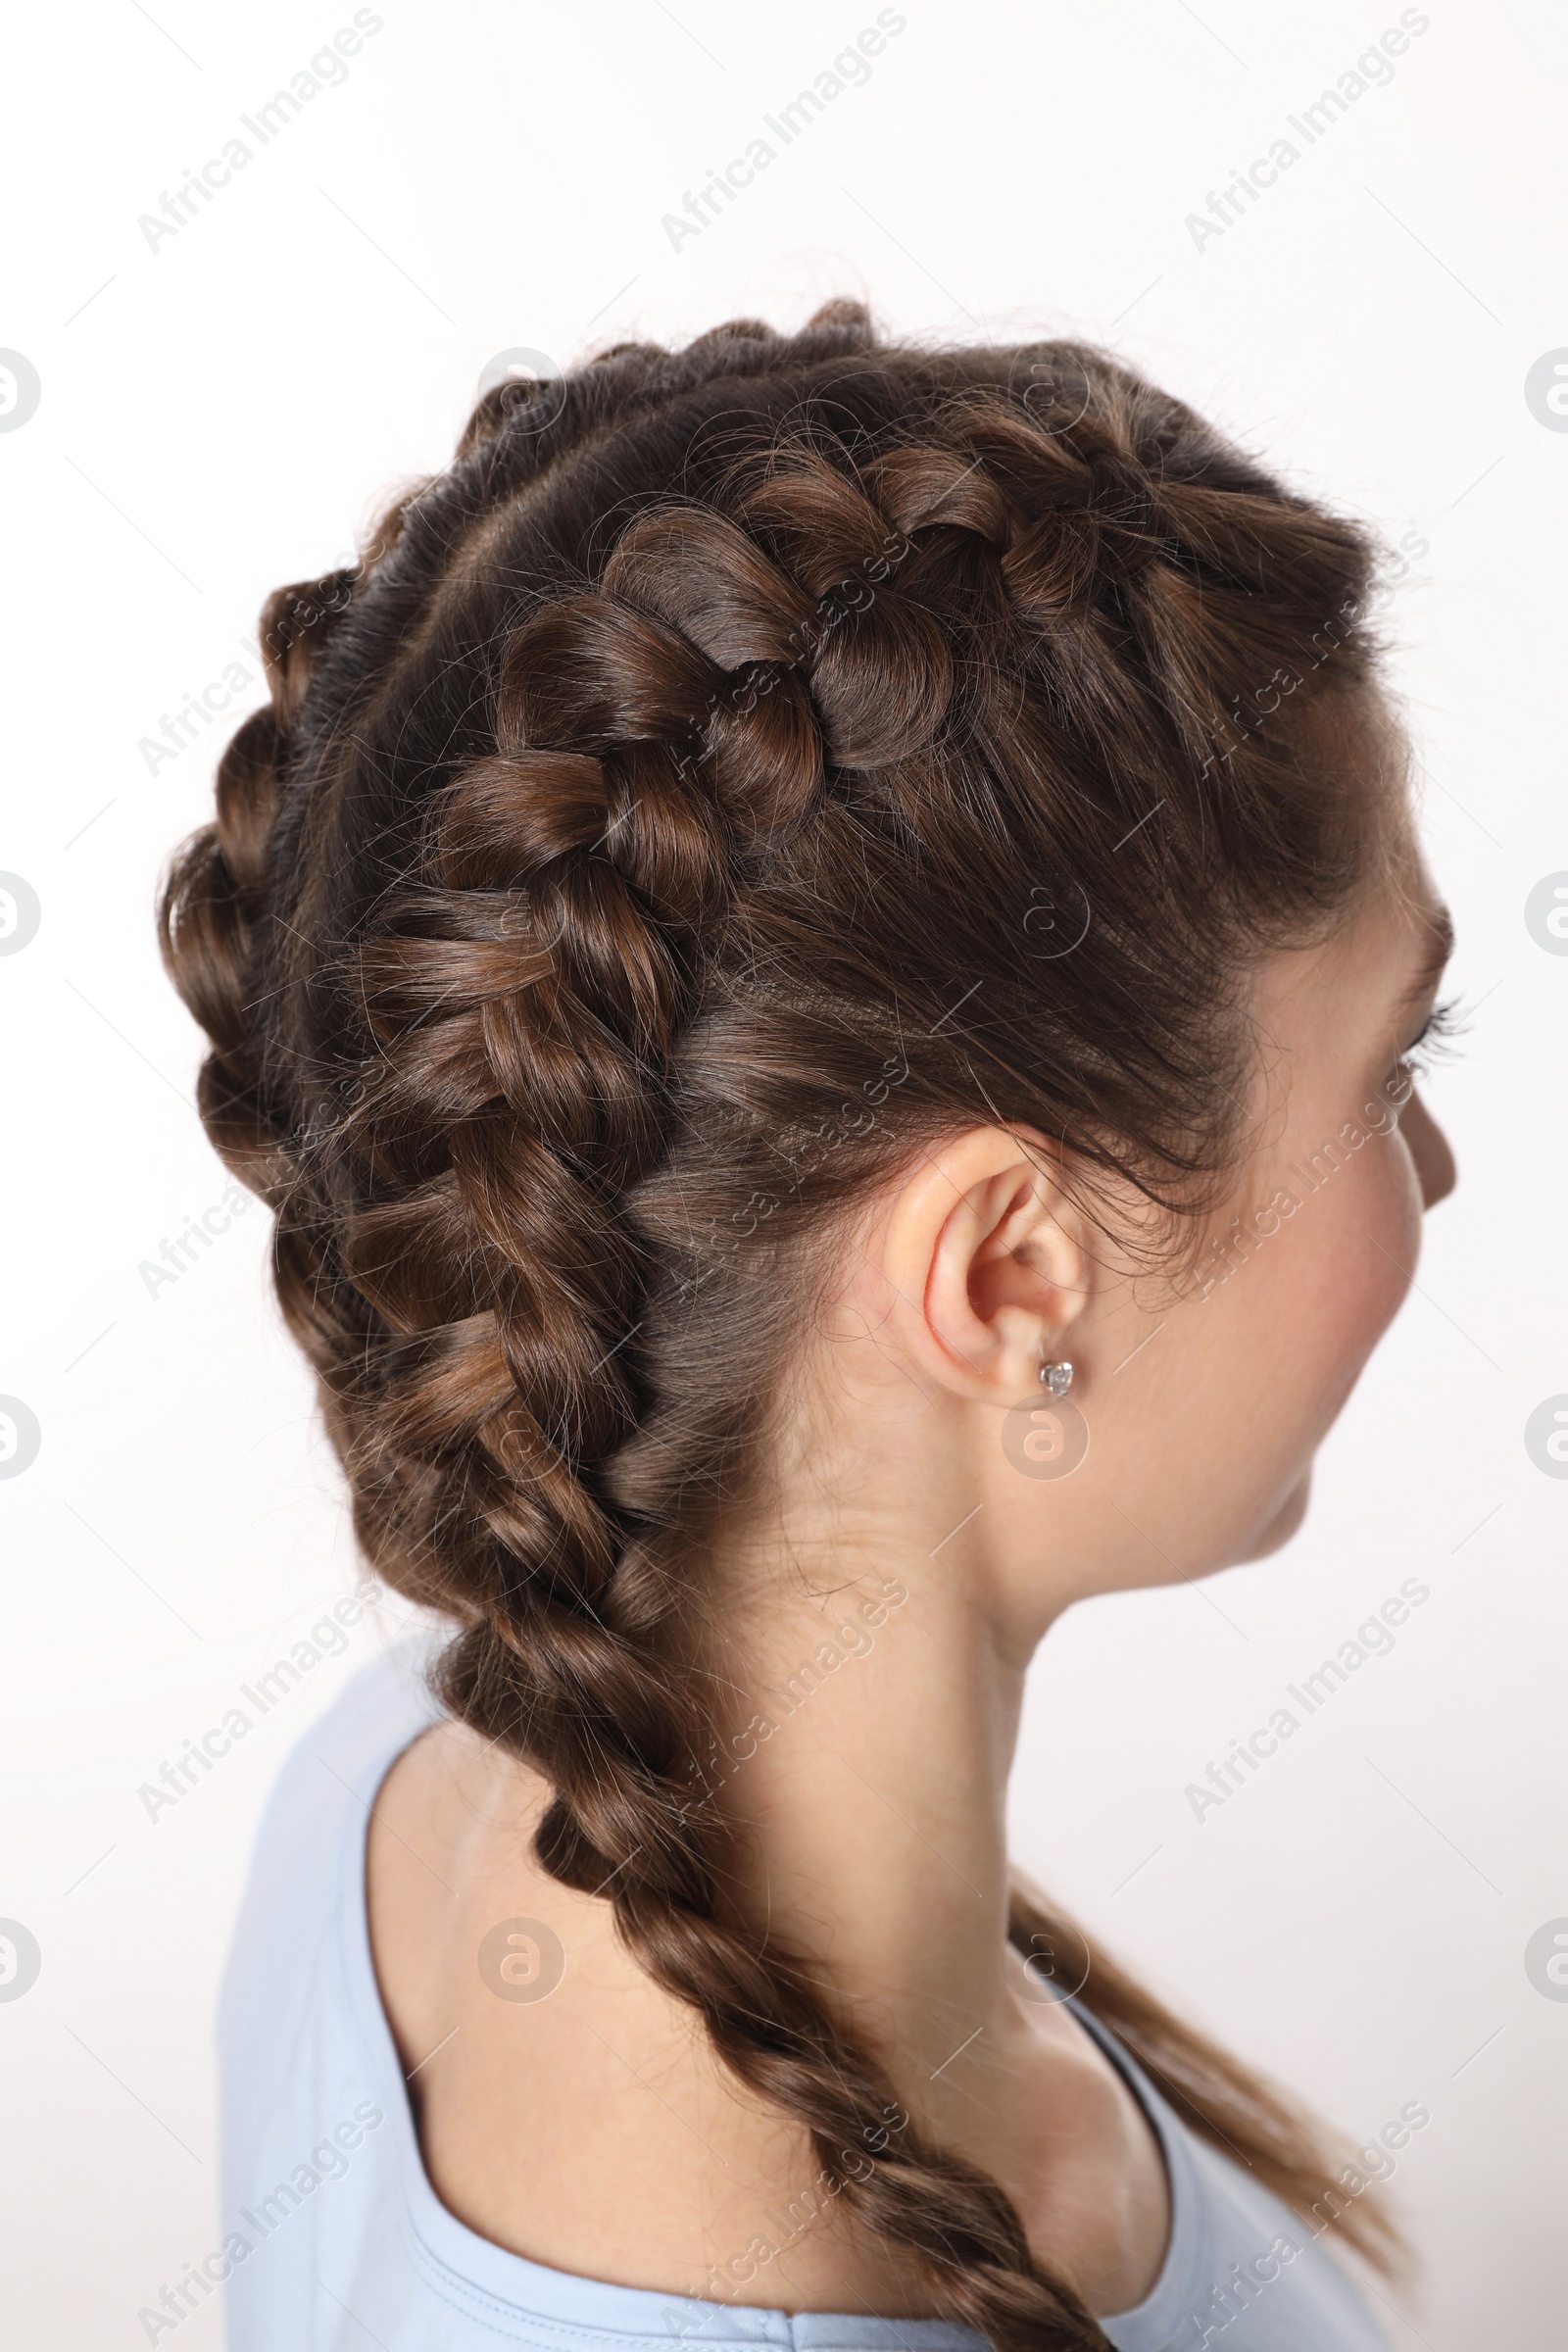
760	795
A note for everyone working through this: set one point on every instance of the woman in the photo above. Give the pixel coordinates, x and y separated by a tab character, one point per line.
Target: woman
819	956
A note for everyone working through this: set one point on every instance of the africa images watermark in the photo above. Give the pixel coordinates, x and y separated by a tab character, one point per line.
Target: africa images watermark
1372	1638
1229	1252
852	1638
1227	2300
803	1154
178	1256
1231	2298
1373	70
855	594
801	2212
328	1638
850	69
328	2161
1249	708
196	714
326	70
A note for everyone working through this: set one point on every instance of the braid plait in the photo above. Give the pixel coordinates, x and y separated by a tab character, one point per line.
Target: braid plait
664	775
214	902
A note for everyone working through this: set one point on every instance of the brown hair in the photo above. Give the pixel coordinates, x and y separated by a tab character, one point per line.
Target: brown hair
743	764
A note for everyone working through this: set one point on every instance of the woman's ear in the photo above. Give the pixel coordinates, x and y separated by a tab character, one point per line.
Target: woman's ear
985	1262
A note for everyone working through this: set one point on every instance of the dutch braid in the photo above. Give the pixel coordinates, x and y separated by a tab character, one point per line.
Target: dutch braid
665	770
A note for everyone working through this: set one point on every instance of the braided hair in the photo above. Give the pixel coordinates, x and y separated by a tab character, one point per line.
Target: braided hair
744	765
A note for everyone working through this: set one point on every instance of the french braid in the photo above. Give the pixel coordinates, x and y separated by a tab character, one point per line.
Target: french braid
649	797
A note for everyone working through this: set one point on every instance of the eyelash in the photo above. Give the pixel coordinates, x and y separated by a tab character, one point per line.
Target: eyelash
1441	1027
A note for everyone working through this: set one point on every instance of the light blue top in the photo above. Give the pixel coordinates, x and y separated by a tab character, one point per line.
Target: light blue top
338	2243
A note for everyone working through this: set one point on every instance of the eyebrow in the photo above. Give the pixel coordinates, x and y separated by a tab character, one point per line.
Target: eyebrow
1430	967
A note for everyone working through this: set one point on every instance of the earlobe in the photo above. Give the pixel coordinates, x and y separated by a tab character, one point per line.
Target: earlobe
986	1255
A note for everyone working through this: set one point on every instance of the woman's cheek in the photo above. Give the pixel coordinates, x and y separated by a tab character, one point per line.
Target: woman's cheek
1380	1236
1337	1272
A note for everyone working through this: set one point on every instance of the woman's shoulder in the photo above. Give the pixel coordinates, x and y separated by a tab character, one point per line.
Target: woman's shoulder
448	1849
306	1842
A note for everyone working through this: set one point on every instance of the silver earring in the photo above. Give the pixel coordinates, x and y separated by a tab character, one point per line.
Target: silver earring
1057	1378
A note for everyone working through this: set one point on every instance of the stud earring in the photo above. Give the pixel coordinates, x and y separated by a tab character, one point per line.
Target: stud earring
1057	1378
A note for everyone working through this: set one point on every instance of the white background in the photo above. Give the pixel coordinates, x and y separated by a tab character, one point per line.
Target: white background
222	413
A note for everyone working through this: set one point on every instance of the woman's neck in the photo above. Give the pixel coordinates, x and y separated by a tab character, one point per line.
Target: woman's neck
867	1720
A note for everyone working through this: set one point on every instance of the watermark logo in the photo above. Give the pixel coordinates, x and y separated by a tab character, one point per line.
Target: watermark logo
1546	1436
20	390
1044	1437
1547	1959
20	1436
525	368
1055	1972
522	1960
1547	912
1055	920
20	914
1057	397
1547	391
19	1960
